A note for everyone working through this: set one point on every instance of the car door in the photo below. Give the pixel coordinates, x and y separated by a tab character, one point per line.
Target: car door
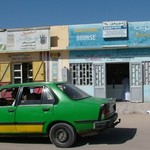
7	114
32	115
7	111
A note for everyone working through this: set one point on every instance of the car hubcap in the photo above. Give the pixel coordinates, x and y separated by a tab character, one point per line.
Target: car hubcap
61	135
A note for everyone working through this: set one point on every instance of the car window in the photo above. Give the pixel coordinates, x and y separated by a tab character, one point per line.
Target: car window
8	96
72	91
31	95
48	96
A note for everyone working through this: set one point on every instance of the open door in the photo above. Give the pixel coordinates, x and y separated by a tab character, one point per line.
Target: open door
136	86
5	75
38	71
99	80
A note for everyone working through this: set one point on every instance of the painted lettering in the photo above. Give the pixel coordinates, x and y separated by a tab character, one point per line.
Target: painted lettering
85	37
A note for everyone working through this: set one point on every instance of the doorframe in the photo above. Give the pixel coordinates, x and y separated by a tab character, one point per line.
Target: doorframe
122	75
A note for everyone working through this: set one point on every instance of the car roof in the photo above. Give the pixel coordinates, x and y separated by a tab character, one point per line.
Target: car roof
29	84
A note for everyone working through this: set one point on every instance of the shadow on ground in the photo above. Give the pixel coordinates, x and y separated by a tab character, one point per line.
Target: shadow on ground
110	136
25	140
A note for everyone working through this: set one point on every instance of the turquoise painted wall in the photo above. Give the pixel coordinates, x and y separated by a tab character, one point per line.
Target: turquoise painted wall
91	35
116	55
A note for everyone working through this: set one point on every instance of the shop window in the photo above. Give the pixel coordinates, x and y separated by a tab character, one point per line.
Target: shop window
146	72
81	73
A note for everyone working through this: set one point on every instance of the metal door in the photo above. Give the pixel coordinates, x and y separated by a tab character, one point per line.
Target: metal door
136	84
99	80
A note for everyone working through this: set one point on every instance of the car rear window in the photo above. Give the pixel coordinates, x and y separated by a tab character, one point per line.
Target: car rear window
72	91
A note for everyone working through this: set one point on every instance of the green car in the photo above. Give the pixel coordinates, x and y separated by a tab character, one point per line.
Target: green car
58	110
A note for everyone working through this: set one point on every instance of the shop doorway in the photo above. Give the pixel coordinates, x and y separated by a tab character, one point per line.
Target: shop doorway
28	72
22	72
117	81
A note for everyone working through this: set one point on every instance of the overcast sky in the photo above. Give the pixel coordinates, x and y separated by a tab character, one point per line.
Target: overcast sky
37	13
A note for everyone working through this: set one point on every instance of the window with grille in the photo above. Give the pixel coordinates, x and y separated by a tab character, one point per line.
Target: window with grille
81	73
146	72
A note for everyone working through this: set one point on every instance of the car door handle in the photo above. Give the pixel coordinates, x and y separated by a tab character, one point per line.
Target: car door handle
11	110
46	109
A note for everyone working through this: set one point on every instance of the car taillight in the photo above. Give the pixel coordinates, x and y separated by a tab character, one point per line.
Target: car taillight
105	112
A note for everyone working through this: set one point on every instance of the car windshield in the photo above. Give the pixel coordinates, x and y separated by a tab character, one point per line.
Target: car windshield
73	92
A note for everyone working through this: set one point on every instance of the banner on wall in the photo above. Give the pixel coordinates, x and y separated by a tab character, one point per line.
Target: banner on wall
36	40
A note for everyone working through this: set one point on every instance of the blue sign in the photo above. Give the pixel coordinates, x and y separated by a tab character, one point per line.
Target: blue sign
139	34
85	35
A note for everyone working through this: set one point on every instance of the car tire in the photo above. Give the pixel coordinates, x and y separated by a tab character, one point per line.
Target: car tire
62	135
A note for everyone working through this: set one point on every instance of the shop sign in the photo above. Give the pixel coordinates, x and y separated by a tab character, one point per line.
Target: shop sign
114	29
28	40
20	57
116	35
85	35
139	35
91	36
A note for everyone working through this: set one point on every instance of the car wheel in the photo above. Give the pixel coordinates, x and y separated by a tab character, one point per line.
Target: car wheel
62	135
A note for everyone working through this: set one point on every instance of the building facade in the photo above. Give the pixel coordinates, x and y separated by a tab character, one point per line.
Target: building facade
109	59
103	55
33	54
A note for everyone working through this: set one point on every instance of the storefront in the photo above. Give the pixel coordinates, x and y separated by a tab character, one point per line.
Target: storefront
22	55
34	54
95	57
103	55
21	67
